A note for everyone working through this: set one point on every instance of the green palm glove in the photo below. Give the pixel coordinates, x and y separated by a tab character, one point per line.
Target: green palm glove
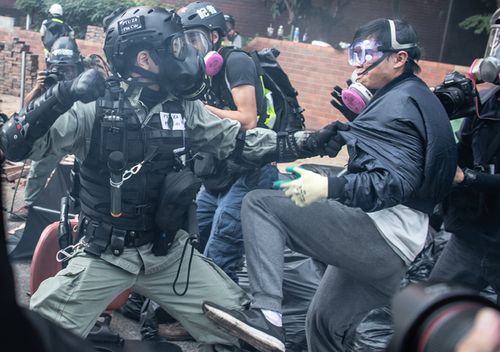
308	187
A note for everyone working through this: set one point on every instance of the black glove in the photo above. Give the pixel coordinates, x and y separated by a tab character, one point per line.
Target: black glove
327	141
87	87
338	104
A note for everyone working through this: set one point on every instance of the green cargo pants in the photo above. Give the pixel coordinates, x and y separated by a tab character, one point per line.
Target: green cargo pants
78	294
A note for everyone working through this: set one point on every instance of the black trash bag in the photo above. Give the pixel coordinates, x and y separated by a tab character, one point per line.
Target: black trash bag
375	330
152	315
132	308
300	281
422	266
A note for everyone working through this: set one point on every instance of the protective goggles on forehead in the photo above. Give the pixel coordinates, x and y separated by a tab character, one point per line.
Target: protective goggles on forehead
199	40
364	51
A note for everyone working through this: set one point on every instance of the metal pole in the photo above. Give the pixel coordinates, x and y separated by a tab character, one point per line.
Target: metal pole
23	78
445	32
28	22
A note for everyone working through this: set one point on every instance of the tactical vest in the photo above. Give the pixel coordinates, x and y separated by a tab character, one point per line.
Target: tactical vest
117	128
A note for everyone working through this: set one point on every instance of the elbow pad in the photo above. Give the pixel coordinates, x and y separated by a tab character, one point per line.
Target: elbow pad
21	131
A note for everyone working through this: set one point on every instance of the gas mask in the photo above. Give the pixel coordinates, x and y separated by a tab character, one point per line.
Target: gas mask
200	40
182	71
487	69
188	76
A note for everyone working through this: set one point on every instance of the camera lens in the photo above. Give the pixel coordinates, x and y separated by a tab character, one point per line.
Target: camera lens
445	327
50	80
452	99
433	317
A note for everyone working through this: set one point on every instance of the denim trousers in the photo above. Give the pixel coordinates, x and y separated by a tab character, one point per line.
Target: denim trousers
219	219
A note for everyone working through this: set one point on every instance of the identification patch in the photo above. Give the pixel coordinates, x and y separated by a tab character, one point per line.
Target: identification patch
172	121
129	25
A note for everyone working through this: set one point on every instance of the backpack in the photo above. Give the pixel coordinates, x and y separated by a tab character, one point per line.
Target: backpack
56	28
280	110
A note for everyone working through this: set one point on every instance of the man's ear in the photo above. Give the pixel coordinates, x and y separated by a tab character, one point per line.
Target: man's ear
143	59
400	58
215	37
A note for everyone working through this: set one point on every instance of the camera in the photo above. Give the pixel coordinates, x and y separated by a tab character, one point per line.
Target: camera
433	317
52	76
458	95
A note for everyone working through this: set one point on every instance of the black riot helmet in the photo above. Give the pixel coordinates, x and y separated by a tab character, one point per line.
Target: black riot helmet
142	27
64	61
203	14
159	31
64	51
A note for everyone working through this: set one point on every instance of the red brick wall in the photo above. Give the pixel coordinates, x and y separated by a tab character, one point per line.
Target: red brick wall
10	57
315	70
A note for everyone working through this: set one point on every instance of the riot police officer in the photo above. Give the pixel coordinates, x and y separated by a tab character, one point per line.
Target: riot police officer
128	142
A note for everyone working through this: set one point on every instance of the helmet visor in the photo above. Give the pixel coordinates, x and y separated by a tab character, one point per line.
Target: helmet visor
364	52
177	46
199	40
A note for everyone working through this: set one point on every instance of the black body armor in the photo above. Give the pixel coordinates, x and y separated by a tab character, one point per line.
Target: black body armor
153	146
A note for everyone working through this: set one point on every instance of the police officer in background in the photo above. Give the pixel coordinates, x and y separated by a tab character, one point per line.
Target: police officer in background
54	27
133	183
63	64
235	93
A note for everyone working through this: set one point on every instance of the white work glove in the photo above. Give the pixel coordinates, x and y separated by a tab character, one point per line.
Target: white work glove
307	188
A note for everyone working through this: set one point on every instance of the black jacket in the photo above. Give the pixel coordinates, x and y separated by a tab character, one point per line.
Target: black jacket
401	150
471	210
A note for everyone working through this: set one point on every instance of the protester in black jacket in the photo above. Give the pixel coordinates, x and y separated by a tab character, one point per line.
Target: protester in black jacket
366	224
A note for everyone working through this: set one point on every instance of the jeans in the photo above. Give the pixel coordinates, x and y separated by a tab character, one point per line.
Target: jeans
219	219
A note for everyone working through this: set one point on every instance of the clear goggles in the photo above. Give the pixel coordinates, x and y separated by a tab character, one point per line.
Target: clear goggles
364	52
199	39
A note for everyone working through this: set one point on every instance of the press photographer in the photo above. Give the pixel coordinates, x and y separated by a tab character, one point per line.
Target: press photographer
472	256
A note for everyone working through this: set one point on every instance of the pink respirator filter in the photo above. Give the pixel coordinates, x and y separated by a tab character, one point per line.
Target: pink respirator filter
353	100
213	63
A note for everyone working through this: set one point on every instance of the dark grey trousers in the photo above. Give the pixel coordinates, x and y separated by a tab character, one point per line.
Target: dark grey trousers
468	264
363	271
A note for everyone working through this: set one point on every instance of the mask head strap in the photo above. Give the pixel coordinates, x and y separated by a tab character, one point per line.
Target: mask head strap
395	45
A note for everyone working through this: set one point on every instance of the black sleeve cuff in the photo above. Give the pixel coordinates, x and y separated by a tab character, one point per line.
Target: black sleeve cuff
336	187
